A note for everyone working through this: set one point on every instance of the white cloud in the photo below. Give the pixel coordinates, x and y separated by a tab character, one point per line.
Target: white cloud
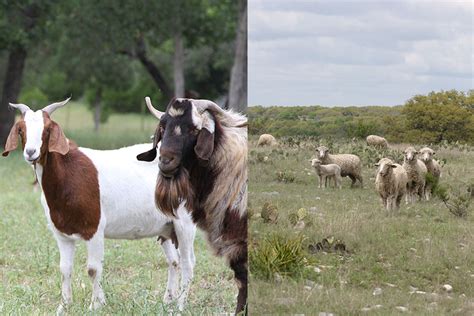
357	52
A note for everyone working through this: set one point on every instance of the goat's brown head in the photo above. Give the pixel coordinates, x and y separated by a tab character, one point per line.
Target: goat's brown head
39	134
185	130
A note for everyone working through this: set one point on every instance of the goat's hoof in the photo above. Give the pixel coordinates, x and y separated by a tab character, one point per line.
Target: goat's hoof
168	298
96	304
61	310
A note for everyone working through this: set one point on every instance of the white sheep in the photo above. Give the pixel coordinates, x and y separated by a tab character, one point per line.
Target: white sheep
377	141
89	195
351	165
390	183
433	167
416	171
325	172
266	140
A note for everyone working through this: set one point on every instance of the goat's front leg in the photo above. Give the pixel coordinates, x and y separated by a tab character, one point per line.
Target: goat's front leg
239	266
185	231
172	258
95	258
66	251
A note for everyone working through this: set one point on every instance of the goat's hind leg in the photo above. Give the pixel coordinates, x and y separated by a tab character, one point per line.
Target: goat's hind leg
66	251
95	258
185	231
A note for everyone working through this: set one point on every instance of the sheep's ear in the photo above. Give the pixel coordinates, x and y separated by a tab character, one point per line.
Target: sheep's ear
151	154
377	164
57	140
12	140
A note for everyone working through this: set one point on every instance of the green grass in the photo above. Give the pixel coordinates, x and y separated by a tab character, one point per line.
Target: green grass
422	246
135	272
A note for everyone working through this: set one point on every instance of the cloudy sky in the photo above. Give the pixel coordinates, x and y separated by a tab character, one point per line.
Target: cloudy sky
334	52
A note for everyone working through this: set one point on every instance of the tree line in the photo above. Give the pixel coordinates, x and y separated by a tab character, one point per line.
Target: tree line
113	53
432	118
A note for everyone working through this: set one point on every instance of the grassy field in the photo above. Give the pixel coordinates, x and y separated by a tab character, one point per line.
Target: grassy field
135	272
393	263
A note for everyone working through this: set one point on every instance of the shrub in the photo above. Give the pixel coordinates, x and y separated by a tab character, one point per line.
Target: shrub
283	176
277	254
457	200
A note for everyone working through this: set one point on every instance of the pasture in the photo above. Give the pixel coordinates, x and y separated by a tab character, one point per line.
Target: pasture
135	272
393	262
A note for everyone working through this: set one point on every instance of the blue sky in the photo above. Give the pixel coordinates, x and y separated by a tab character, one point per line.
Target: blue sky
357	52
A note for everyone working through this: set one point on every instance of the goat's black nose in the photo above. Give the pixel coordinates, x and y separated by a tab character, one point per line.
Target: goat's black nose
30	151
166	160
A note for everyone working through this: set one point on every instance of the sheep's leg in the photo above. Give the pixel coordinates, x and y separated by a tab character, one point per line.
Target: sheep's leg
95	257
399	199
353	180
185	232
67	249
359	177
172	258
239	266
320	181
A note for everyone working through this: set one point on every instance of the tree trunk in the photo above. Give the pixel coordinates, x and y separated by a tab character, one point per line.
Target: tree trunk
178	64
238	78
97	109
11	90
152	69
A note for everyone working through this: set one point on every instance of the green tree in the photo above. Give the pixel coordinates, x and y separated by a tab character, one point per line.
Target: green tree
23	25
438	116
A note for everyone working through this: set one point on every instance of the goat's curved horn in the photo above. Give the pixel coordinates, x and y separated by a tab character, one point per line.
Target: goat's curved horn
20	106
54	106
203	105
155	112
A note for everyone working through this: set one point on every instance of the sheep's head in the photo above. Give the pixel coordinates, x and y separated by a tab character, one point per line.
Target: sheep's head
322	151
384	166
39	134
315	162
186	130
427	154
410	154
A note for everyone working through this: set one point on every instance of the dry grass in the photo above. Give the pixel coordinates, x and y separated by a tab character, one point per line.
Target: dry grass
422	246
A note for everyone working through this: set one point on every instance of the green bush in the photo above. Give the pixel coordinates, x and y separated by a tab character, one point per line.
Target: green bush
277	254
34	98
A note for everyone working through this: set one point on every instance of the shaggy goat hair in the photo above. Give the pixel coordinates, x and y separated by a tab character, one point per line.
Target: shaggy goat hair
203	162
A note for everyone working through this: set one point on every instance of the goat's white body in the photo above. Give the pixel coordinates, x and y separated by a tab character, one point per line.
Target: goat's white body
127	190
127	211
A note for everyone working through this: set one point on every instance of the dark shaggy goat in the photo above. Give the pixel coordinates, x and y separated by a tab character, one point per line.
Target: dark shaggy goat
203	161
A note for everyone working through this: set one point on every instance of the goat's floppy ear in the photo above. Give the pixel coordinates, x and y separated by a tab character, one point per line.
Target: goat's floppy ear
205	145
12	140
205	140
151	154
57	140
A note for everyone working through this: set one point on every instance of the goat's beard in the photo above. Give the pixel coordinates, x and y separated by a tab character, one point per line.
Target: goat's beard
171	192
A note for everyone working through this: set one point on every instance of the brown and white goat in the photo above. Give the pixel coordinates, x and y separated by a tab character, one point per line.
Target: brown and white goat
91	194
203	161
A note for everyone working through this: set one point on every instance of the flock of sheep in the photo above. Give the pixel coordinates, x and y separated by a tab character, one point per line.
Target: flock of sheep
392	181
